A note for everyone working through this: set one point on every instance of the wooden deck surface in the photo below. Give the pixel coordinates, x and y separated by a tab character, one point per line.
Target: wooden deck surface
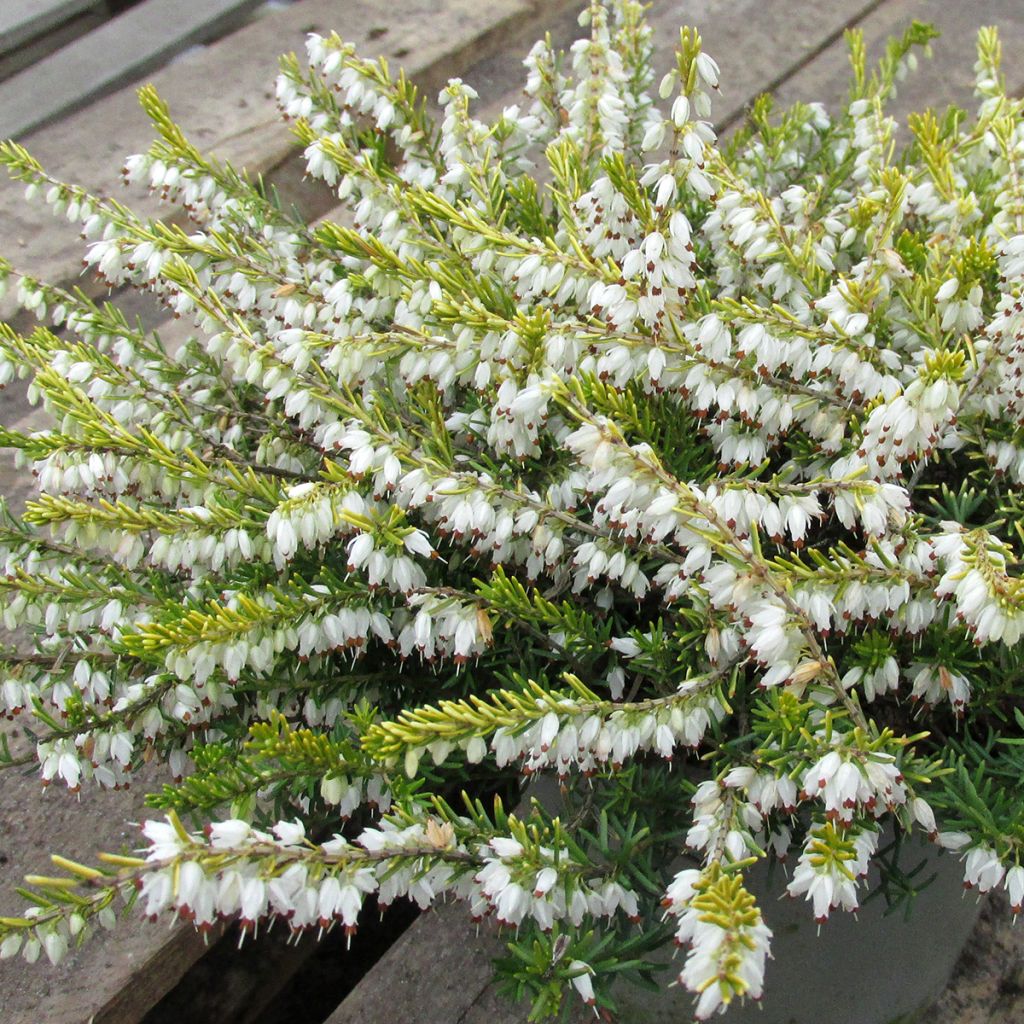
223	96
23	21
120	50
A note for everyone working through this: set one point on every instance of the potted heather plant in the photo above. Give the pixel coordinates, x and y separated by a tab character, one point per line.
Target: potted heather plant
577	445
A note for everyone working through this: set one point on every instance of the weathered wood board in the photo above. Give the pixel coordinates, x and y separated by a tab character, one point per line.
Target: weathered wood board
756	44
438	972
60	35
33	824
120	50
946	78
987	986
22	21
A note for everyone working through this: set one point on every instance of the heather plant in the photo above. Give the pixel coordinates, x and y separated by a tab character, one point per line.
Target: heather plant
576	444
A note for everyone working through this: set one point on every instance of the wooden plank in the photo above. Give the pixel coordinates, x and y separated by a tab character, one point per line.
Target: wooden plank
157	975
274	977
34	50
24	20
438	972
32	823
947	78
756	44
117	52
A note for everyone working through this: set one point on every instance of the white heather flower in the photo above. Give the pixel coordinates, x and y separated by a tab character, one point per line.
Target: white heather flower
720	923
506	847
55	945
935	683
829	866
982	869
1014	883
580	977
165	841
953	840
626	646
228	834
290	833
923	814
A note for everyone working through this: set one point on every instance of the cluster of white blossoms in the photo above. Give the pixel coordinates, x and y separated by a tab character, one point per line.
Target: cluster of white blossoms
727	937
513	887
571	444
830	867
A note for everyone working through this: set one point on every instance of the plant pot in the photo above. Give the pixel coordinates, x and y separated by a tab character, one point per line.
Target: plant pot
879	967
